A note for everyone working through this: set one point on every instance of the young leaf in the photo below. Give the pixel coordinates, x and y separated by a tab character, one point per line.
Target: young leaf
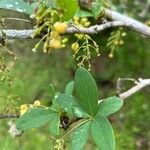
86	91
109	106
102	133
97	8
34	118
82	13
80	136
52	91
17	5
69	88
69	7
54	124
66	103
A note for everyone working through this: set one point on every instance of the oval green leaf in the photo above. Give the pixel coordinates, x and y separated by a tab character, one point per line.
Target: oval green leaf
109	106
17	5
54	124
34	118
102	134
86	91
80	136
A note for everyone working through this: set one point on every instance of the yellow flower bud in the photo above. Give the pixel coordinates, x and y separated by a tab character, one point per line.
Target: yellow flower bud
75	46
60	27
55	43
75	18
24	106
110	55
121	42
23	112
83	20
23	109
124	34
87	24
37	103
116	42
54	34
65	40
79	36
63	45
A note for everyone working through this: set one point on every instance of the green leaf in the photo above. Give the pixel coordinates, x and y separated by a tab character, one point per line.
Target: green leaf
34	118
69	88
52	3
109	106
52	91
78	112
82	13
54	124
102	133
80	136
69	7
66	103
17	5
97	8
86	91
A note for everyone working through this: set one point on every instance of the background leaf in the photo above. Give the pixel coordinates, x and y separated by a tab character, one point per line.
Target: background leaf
86	91
17	5
97	8
82	13
80	136
69	7
102	134
109	106
52	91
69	88
34	118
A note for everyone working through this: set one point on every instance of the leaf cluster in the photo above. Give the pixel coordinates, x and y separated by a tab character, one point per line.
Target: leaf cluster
79	101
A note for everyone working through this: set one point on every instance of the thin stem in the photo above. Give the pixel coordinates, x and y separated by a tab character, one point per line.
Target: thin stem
73	129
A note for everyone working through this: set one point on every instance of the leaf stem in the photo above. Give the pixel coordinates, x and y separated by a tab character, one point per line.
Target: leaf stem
73	129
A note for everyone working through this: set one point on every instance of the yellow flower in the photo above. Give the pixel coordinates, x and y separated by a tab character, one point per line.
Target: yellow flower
75	46
24	108
110	55
87	24
121	42
37	103
83	20
60	27
54	34
75	18
55	43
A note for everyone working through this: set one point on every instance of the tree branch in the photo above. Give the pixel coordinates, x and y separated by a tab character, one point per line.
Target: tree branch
7	116
27	34
142	83
135	25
